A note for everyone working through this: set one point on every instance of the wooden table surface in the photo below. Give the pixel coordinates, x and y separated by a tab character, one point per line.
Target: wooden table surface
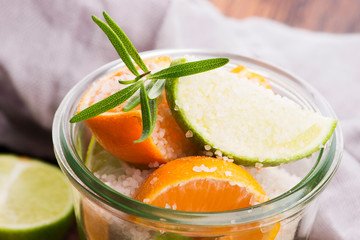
338	16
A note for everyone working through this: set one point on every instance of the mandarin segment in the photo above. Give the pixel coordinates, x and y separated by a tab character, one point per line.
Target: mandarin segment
116	130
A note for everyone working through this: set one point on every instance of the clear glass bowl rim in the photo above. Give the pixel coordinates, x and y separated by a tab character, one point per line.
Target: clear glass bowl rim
285	205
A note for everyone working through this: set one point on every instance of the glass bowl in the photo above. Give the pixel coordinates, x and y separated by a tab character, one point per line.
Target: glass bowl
103	213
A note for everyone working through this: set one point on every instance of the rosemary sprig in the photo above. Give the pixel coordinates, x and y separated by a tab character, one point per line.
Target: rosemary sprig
144	88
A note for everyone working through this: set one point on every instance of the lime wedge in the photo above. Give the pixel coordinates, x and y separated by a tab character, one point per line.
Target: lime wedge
231	117
35	200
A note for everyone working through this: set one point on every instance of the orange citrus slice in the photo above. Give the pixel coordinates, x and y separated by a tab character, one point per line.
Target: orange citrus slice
201	184
116	130
205	184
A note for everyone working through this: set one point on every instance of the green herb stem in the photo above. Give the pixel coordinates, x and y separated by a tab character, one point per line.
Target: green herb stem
125	82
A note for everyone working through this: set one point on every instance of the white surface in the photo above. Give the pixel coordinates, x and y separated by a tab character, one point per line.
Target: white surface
47	46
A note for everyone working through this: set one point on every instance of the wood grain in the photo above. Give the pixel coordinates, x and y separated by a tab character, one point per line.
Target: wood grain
339	16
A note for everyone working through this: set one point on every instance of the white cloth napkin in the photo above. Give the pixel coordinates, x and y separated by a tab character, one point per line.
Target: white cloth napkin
47	46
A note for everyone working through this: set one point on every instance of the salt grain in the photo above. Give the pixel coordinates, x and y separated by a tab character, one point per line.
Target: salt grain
218	153
153	180
203	168
153	164
209	154
189	134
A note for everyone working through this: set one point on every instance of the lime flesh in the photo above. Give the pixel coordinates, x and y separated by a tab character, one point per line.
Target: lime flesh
35	200
231	117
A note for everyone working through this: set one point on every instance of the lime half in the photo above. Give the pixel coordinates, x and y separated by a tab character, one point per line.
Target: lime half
35	200
230	117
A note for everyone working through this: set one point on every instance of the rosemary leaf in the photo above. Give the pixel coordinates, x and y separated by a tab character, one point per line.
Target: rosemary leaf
145	115
106	104
189	68
125	40
135	99
157	89
153	111
118	45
